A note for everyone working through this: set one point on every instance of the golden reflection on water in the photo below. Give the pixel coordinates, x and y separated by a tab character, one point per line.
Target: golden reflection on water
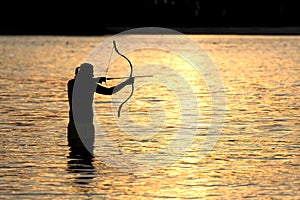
152	99
256	156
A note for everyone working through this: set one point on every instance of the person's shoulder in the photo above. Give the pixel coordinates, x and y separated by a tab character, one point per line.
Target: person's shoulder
71	81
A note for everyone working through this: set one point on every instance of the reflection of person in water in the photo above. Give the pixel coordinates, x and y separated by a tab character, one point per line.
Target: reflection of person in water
81	165
81	91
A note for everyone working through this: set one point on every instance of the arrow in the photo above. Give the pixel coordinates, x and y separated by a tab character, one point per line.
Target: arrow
128	77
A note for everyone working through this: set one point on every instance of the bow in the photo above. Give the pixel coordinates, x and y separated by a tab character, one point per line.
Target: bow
131	70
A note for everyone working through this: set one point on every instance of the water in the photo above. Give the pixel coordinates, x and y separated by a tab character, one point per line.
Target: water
256	155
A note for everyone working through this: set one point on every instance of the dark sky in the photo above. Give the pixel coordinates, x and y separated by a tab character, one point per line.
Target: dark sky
98	16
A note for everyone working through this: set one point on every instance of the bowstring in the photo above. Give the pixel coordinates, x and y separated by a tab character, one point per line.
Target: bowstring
106	71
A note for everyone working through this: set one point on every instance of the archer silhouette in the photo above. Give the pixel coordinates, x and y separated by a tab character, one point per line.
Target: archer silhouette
81	91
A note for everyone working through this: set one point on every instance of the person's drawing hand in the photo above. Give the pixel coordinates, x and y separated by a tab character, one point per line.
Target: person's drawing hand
102	79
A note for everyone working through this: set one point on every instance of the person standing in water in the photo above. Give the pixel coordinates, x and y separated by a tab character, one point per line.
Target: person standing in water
81	91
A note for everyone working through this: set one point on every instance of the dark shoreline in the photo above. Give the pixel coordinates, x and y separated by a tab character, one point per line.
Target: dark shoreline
292	30
225	30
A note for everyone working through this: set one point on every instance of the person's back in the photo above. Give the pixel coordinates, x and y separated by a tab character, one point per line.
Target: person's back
80	96
81	93
70	87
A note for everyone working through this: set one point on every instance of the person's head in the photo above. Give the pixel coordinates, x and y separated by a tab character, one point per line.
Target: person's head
86	69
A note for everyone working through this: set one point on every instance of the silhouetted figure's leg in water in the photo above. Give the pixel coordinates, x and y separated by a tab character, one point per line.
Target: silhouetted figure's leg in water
81	145
80	159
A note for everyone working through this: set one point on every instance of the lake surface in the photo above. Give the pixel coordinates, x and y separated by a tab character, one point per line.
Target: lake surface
255	156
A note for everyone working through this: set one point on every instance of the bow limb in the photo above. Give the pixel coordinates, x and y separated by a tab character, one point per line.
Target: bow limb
131	71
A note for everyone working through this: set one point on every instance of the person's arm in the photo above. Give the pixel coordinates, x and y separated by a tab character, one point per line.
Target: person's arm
111	90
